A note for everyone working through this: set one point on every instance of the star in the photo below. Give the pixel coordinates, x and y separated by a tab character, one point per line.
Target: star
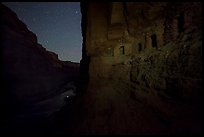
19	9
34	19
47	12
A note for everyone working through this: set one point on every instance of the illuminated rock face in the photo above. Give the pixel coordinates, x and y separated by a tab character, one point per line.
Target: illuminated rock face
143	54
30	72
147	43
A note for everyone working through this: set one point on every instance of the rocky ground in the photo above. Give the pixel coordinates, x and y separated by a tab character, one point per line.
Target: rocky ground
108	107
113	109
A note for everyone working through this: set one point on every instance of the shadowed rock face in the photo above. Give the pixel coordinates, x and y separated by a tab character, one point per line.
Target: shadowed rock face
30	72
146	53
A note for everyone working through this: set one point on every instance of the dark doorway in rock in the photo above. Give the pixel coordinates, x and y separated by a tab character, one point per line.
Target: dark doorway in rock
122	50
145	38
140	47
154	40
181	22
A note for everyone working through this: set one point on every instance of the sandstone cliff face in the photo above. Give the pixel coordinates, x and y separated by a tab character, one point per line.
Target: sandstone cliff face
151	53
30	72
123	42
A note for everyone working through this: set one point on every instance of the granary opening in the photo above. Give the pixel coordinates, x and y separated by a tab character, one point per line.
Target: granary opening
181	22
154	40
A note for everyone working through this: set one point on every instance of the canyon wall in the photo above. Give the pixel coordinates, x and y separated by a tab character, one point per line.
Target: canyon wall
151	44
30	73
143	53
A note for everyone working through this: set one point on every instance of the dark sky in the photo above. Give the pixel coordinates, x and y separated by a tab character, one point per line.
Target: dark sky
56	24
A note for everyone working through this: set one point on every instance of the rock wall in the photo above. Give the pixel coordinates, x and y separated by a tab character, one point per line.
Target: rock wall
30	72
145	54
151	44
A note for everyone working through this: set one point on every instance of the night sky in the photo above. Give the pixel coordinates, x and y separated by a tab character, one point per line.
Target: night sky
56	24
